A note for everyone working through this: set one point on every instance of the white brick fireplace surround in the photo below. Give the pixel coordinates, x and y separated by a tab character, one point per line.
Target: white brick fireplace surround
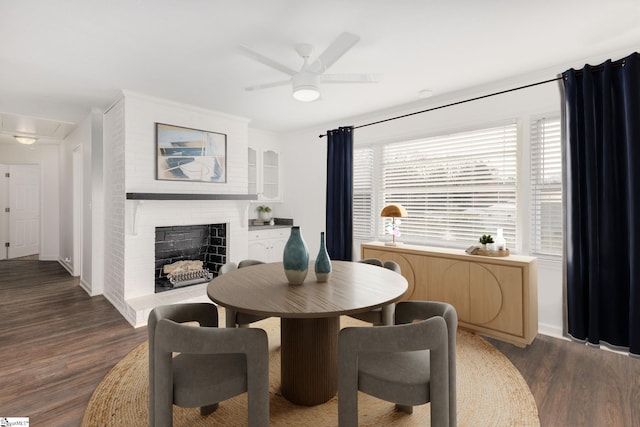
129	163
139	291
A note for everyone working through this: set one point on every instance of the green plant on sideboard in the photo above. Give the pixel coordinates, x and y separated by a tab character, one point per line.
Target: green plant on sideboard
486	238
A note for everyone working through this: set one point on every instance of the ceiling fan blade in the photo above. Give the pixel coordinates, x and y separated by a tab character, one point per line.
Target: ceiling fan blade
266	61
268	85
339	47
349	78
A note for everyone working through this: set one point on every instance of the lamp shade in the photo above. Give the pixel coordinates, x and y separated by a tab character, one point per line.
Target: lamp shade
393	210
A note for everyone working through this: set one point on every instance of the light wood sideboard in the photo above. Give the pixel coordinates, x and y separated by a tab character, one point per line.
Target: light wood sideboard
494	296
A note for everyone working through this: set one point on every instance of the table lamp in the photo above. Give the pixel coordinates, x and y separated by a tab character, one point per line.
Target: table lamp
393	211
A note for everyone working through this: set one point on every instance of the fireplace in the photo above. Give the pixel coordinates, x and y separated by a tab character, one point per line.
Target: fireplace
206	243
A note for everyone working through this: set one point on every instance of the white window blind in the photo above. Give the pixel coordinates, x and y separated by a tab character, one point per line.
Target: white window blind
455	187
546	182
363	194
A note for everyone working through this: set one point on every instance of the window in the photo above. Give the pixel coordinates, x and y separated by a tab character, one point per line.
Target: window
546	183
455	187
363	196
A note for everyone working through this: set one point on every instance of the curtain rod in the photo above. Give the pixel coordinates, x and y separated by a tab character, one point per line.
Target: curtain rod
455	103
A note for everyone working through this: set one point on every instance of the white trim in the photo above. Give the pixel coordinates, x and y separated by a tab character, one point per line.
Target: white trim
175	104
551	330
65	265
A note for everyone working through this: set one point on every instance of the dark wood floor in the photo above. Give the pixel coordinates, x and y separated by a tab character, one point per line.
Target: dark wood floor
576	385
58	343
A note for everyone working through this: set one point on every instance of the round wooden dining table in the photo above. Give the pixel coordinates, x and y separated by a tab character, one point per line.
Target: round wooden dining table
310	316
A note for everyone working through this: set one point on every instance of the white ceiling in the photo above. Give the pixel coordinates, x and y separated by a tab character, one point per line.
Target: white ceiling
59	59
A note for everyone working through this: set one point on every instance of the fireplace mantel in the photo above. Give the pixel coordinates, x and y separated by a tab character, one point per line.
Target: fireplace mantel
188	196
138	199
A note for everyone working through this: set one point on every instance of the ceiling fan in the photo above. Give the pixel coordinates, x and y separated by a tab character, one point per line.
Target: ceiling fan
306	81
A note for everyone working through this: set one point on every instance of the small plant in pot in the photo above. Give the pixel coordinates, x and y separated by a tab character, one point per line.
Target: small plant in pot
264	212
486	240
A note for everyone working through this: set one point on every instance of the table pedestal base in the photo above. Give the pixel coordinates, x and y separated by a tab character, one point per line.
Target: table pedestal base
309	367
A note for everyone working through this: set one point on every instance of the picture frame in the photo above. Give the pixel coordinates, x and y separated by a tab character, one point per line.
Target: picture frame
185	154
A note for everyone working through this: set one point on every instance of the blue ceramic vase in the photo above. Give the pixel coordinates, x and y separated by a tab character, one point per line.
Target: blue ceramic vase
295	258
323	262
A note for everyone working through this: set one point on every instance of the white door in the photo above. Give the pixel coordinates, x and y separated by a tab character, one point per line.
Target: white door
24	210
4	210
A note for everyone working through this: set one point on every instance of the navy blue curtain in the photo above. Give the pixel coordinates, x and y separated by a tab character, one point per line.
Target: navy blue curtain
603	202
340	193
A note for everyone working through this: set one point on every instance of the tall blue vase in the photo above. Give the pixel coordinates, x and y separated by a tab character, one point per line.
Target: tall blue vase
323	263
295	257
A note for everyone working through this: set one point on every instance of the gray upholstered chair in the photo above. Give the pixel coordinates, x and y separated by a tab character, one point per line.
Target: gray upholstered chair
383	315
230	266
233	318
214	363
372	261
410	363
249	263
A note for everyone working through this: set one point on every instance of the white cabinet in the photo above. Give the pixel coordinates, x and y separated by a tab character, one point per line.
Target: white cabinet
268	244
263	168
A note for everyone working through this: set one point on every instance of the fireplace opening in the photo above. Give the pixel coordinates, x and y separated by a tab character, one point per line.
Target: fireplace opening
183	248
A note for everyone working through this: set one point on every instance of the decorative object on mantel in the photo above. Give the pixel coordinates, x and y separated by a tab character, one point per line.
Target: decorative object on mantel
264	212
296	257
393	211
185	154
323	262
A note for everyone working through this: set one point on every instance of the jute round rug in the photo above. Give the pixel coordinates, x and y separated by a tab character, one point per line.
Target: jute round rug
491	392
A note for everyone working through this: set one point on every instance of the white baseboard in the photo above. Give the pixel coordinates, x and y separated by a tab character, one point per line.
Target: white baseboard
551	330
66	266
119	308
87	288
555	332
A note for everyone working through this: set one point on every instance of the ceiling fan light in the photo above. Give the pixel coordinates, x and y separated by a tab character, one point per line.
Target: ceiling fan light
27	140
306	93
305	87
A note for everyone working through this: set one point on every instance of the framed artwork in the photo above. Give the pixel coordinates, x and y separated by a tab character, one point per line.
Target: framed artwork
185	154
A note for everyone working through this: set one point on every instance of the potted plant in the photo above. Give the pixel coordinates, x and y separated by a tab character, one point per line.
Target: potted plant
264	212
485	240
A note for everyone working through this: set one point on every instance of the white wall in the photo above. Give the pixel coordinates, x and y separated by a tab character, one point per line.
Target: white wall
305	162
47	156
85	137
114	189
94	227
130	166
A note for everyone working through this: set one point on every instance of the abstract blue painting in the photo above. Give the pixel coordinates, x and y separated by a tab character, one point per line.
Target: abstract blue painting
190	155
